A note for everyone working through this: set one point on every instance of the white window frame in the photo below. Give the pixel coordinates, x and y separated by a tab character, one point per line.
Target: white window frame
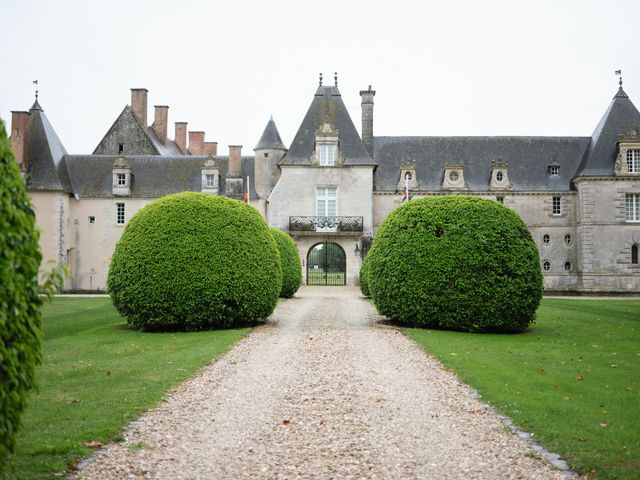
120	213
121	179
633	160
632	207
210	180
326	154
554	170
556	206
326	205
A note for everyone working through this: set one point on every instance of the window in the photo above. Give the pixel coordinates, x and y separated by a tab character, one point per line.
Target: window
92	220
119	213
453	176
407	176
327	156
500	199
546	239
633	161
632	204
326	209
634	254
567	239
556	206
499	176
546	266
121	148
567	266
210	180
554	170
122	179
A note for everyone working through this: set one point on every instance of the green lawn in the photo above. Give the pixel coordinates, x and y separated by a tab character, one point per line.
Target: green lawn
573	379
97	376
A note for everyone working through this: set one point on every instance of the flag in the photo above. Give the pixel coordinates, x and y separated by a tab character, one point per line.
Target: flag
618	72
246	191
35	82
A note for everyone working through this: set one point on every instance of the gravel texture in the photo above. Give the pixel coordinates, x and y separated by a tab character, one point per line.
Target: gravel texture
323	390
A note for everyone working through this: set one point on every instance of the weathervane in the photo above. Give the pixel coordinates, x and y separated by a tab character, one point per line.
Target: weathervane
320	78
335	78
619	73
35	82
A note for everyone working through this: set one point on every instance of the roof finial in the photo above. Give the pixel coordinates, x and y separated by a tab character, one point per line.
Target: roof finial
619	73
35	82
320	78
335	77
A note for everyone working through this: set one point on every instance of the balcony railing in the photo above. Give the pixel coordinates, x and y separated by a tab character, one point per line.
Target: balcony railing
326	224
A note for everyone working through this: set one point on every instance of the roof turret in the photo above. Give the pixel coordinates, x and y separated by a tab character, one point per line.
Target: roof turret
270	138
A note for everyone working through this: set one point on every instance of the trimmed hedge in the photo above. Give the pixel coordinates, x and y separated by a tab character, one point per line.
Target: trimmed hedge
455	262
290	261
20	321
364	277
192	261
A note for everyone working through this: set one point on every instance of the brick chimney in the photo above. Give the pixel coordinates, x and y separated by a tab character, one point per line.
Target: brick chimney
196	143
211	148
235	154
160	122
181	136
367	119
139	104
20	138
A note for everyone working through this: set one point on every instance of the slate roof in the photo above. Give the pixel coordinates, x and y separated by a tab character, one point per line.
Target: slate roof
327	106
152	175
270	137
168	148
46	166
618	119
528	159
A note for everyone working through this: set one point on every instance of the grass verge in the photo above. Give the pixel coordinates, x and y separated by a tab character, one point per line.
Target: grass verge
98	375
573	379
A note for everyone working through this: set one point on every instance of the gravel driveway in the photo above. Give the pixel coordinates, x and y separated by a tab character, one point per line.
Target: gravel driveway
321	391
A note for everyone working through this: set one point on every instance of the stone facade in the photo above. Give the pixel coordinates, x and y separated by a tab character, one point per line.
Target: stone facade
579	196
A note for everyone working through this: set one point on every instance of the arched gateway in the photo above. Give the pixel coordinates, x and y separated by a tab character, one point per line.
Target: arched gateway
326	264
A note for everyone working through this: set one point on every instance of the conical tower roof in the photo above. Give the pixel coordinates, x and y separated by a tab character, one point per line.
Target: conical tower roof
621	115
270	138
47	170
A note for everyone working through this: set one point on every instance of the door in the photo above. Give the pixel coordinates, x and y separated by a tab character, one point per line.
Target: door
326	265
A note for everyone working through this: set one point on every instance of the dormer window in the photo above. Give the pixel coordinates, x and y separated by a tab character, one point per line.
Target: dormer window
633	161
554	170
327	155
408	177
327	152
121	184
210	177
499	176
454	178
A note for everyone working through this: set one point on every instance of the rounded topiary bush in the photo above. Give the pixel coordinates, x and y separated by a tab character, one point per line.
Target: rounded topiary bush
20	323
455	262
290	261
364	277
192	261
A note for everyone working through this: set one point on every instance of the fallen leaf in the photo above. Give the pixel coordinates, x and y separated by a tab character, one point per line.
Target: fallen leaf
580	378
542	371
379	401
73	464
74	400
604	425
286	422
629	389
93	444
614	366
455	354
108	374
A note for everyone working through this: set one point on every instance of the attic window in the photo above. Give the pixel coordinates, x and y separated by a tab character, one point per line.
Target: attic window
327	155
121	148
554	170
633	161
122	179
92	219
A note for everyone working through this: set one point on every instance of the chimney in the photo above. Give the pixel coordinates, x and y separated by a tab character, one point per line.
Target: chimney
20	138
235	154
196	143
211	148
181	136
160	122
139	104
367	119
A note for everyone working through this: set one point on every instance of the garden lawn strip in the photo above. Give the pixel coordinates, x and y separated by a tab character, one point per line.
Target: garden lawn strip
572	379
97	376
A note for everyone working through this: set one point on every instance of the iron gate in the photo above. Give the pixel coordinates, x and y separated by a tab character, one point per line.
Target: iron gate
326	265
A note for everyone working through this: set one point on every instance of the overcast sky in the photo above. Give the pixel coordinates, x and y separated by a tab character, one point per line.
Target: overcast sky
543	67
